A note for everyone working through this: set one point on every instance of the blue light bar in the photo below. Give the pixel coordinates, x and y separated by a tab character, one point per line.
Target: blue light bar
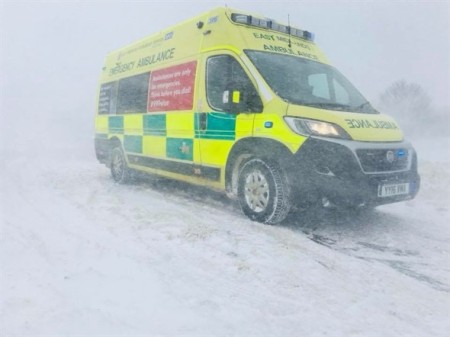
280	28
241	18
260	22
250	20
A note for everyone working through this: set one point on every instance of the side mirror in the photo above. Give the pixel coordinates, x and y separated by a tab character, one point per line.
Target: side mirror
231	99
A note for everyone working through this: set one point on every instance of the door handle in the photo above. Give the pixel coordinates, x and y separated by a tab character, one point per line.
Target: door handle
203	122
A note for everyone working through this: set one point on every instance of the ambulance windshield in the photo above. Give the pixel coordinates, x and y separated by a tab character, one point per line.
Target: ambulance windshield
306	82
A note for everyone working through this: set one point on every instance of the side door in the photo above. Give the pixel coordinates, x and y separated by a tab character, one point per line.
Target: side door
226	113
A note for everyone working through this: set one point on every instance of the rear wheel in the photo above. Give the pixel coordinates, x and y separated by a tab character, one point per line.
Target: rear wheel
263	191
119	168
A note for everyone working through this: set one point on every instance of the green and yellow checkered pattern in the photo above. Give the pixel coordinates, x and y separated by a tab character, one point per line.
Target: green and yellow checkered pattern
159	140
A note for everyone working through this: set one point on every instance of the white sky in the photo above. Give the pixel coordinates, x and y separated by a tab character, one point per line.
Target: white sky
52	51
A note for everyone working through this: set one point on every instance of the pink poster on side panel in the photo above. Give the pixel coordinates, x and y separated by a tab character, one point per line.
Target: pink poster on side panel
172	88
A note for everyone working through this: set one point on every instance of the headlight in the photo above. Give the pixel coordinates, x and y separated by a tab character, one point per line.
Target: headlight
310	127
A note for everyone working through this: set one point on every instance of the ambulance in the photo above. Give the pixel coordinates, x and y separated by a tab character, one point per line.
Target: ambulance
243	104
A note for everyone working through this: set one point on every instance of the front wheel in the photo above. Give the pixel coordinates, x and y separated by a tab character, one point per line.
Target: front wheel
119	168
263	191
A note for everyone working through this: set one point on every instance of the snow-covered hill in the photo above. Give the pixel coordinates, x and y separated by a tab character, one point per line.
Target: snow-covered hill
81	255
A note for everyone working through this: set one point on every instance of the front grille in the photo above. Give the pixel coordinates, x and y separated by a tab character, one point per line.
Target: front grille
383	160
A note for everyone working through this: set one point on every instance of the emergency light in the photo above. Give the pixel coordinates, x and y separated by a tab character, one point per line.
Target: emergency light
250	20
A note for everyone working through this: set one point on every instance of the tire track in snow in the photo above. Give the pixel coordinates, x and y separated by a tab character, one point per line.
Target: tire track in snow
329	227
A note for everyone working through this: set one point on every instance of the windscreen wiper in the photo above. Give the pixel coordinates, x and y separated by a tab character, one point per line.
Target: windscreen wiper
359	107
368	105
330	105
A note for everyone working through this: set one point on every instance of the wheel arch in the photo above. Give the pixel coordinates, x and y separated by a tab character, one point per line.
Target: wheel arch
246	148
113	142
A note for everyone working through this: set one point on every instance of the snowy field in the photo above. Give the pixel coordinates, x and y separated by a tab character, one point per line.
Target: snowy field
81	255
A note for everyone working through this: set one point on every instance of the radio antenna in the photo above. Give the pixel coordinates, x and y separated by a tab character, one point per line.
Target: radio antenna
289	31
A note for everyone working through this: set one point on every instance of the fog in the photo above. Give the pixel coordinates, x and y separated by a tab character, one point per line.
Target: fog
52	52
82	255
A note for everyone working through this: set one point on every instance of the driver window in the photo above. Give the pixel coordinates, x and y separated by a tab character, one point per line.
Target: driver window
319	84
224	73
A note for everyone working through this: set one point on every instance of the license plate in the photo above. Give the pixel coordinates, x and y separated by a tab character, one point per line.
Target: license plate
390	190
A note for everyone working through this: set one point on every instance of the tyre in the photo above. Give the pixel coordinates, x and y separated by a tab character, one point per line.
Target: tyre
263	191
119	168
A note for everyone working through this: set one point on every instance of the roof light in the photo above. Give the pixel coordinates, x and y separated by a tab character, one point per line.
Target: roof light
260	22
271	25
241	18
280	28
308	35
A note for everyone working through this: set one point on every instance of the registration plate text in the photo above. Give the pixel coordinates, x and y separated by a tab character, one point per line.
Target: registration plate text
390	190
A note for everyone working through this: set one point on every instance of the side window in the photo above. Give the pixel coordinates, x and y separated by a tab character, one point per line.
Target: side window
224	73
107	99
132	94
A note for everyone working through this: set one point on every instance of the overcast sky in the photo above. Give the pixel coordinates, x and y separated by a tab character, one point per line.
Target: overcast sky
52	51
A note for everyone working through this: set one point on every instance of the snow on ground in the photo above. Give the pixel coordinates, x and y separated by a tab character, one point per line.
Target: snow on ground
81	255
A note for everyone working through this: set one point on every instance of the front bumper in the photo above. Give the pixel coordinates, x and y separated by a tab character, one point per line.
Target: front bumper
351	173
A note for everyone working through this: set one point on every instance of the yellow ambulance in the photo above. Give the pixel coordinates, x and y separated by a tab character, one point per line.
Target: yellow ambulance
246	105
